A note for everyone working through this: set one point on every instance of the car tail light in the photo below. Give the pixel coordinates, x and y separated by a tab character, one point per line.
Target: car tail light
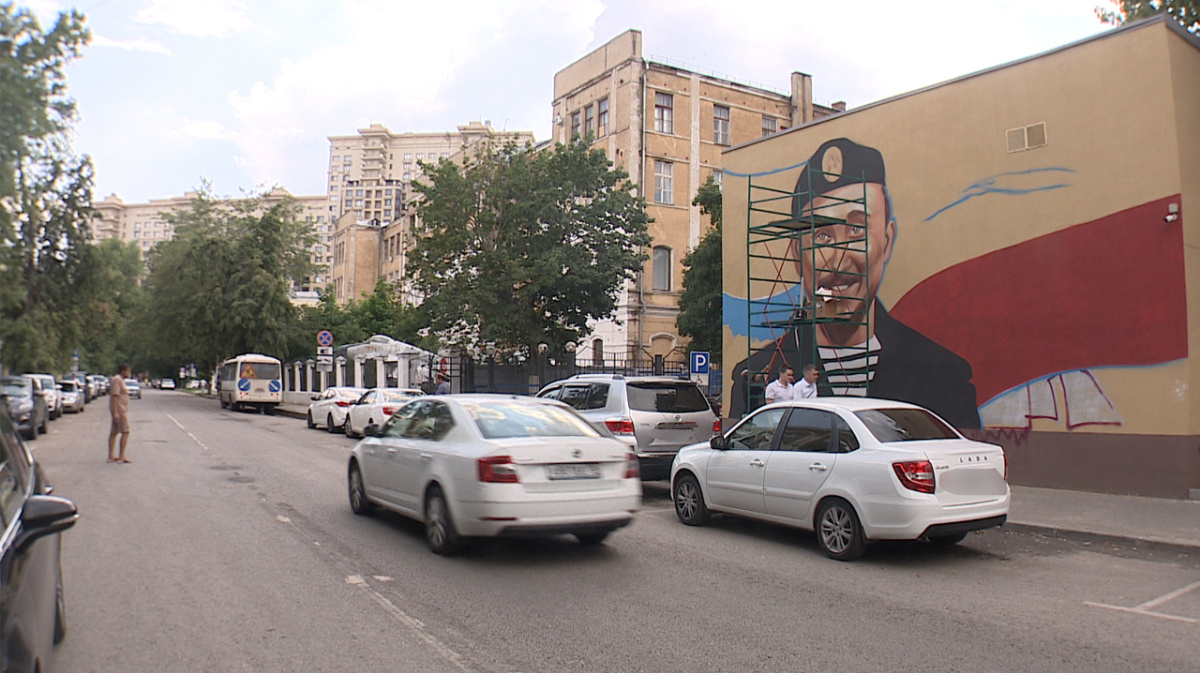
633	469
497	470
716	426
619	426
388	411
915	475
1005	475
344	403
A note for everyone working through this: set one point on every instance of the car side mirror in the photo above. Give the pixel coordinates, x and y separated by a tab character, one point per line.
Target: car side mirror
719	442
314	398
44	515
373	430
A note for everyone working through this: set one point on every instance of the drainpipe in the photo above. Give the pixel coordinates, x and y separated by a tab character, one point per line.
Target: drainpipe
641	275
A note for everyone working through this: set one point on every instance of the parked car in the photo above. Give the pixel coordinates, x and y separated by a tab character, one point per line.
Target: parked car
376	406
26	405
135	389
32	614
81	380
495	465
328	408
72	396
852	469
93	386
654	415
167	384
54	403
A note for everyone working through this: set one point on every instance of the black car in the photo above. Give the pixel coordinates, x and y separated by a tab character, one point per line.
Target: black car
26	405
32	611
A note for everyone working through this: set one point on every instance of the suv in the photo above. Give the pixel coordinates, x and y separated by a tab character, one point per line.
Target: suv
654	415
26	404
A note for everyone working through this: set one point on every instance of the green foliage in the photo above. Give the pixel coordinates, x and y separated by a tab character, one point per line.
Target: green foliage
700	304
111	317
380	312
45	195
220	286
520	247
1185	12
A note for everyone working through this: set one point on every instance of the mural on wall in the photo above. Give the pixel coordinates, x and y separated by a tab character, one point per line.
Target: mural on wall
995	341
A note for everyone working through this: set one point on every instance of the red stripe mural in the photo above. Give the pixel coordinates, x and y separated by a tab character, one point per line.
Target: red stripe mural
1110	292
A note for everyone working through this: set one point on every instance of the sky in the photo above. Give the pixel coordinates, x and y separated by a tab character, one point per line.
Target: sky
244	94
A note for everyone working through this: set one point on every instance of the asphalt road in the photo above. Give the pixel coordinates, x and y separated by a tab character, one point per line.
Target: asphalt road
229	545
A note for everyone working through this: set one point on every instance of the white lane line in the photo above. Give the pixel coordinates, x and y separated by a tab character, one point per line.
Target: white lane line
1144	608
185	431
415	625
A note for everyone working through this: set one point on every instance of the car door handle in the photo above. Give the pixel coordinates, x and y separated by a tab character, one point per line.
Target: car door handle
426	456
757	463
391	451
817	467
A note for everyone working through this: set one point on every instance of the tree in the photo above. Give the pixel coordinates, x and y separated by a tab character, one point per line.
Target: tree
220	286
112	307
380	312
1185	12
520	247
45	193
700	304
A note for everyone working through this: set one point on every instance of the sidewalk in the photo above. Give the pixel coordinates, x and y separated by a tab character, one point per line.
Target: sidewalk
1077	514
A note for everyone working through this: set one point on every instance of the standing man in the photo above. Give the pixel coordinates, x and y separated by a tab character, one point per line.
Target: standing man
808	385
781	389
118	405
443	386
843	186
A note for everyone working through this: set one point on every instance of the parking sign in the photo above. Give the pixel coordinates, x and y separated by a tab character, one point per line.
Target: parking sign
699	362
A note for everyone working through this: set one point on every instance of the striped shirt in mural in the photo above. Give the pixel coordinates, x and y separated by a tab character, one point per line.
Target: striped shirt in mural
849	370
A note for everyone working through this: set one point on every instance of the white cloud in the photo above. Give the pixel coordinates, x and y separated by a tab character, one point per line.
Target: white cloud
210	18
140	44
205	129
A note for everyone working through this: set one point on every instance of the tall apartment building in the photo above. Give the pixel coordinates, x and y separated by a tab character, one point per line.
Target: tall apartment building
146	225
666	127
370	178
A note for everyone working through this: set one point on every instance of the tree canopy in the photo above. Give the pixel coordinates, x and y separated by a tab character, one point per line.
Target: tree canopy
220	286
522	247
700	304
45	194
1186	12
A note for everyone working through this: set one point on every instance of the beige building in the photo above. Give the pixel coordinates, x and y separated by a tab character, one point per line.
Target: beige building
370	197
666	127
146	225
1026	267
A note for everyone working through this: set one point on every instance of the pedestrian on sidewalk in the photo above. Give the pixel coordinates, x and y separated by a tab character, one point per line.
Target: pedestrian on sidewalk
118	406
807	387
443	386
781	389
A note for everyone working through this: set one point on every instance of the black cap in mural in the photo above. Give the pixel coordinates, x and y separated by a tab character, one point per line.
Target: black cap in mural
835	164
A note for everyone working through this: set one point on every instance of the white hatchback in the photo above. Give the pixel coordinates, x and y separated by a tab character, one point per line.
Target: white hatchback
375	407
494	465
328	408
852	469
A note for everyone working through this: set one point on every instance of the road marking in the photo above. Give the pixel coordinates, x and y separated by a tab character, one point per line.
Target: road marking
1144	608
414	624
185	430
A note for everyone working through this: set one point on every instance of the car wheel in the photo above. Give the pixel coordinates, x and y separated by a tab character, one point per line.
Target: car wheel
947	540
60	612
329	424
42	428
592	539
439	527
309	418
348	427
30	434
839	533
358	493
689	501
223	405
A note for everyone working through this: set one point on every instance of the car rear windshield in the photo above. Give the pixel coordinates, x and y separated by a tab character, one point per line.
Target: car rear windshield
503	420
67	386
16	385
667	397
905	425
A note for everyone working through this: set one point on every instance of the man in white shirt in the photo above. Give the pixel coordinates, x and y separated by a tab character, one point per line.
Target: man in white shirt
807	387
781	389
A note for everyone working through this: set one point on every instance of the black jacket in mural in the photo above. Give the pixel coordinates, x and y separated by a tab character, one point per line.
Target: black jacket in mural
911	368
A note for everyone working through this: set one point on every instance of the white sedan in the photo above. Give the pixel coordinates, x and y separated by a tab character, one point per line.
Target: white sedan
328	408
494	465
852	469
376	406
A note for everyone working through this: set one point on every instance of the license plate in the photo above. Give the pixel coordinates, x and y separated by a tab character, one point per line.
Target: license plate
573	471
676	426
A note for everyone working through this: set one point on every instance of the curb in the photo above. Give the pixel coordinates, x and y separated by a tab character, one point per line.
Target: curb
1164	546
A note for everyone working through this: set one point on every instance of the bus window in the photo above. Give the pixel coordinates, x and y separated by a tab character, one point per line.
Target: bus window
247	371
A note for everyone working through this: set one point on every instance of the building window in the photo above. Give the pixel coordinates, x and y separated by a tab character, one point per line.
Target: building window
598	352
664	182
574	125
664	113
719	179
770	126
662	269
602	118
720	125
589	120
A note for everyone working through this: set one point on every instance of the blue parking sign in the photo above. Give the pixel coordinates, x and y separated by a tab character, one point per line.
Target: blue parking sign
699	362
